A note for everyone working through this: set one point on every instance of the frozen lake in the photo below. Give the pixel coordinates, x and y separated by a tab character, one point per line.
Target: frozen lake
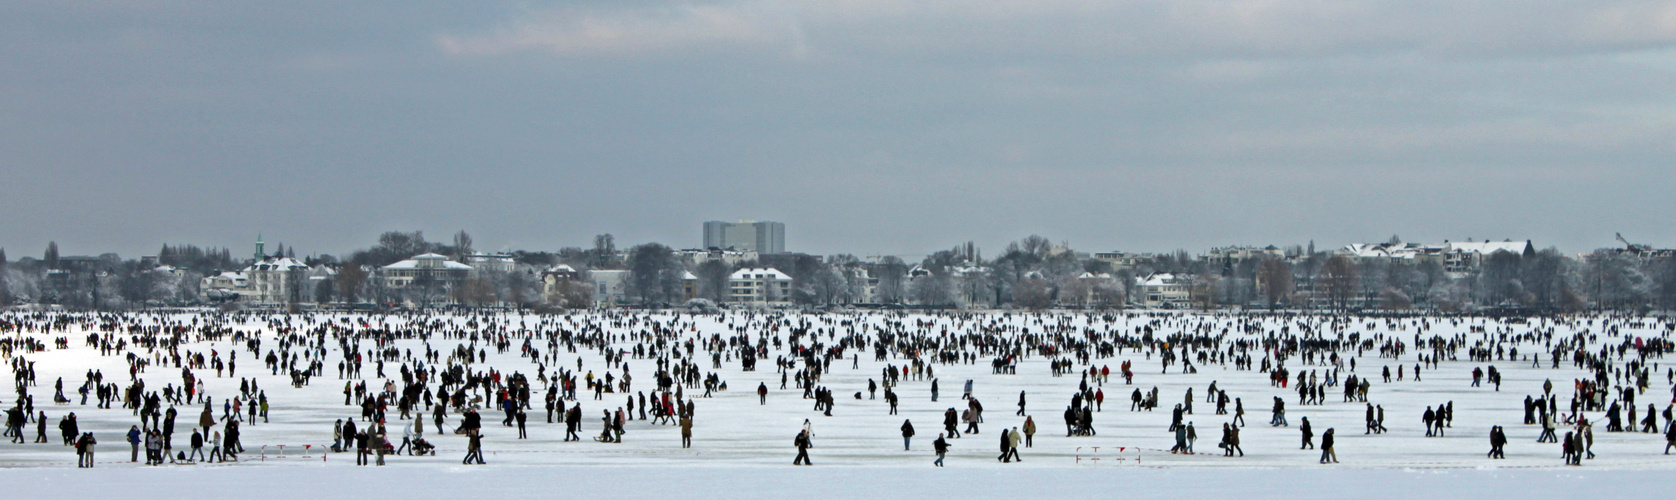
735	435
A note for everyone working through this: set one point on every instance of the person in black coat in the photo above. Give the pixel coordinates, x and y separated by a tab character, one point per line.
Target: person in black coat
84	450
197	447
1309	435
907	433
1498	439
573	423
362	451
1004	457
69	429
941	446
1328	455
520	417
14	424
472	421
802	444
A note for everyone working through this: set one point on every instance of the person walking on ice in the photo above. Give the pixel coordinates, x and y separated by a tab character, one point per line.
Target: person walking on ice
1012	445
474	447
1328	455
941	446
1308	435
1498	439
1669	439
686	432
802	444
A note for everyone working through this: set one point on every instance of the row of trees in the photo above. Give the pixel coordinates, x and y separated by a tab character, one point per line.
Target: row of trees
1035	273
104	282
1534	280
1030	273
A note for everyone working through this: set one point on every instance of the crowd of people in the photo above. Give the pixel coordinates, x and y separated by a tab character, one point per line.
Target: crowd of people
398	370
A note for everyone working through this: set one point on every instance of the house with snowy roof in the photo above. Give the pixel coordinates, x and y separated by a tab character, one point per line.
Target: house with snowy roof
1462	258
1164	290
228	285
429	267
759	286
276	280
497	262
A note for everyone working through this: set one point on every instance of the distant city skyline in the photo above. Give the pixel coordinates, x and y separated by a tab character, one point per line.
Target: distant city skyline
271	245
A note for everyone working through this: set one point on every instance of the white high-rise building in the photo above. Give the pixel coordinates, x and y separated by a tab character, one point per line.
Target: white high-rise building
764	237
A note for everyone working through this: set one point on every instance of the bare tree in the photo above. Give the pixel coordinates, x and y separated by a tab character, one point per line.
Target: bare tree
712	280
523	286
654	274
51	255
323	291
462	246
604	254
349	281
1499	279
136	286
426	289
1033	293
891	272
476	291
1276	278
1393	299
1617	280
1339	278
936	289
1204	291
1664	274
1109	294
1076	292
1035	245
828	285
293	288
5	291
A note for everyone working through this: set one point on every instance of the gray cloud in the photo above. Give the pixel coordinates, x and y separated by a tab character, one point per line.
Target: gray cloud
869	126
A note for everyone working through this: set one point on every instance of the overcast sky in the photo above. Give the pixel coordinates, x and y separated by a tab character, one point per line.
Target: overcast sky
867	126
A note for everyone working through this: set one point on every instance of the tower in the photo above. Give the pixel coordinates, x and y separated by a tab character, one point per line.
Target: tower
766	237
259	254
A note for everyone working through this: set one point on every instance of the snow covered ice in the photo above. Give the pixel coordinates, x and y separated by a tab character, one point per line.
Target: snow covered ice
736	437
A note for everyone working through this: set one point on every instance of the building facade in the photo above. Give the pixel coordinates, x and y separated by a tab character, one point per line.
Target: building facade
700	256
765	237
1164	290
761	286
496	262
433	267
277	280
610	287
